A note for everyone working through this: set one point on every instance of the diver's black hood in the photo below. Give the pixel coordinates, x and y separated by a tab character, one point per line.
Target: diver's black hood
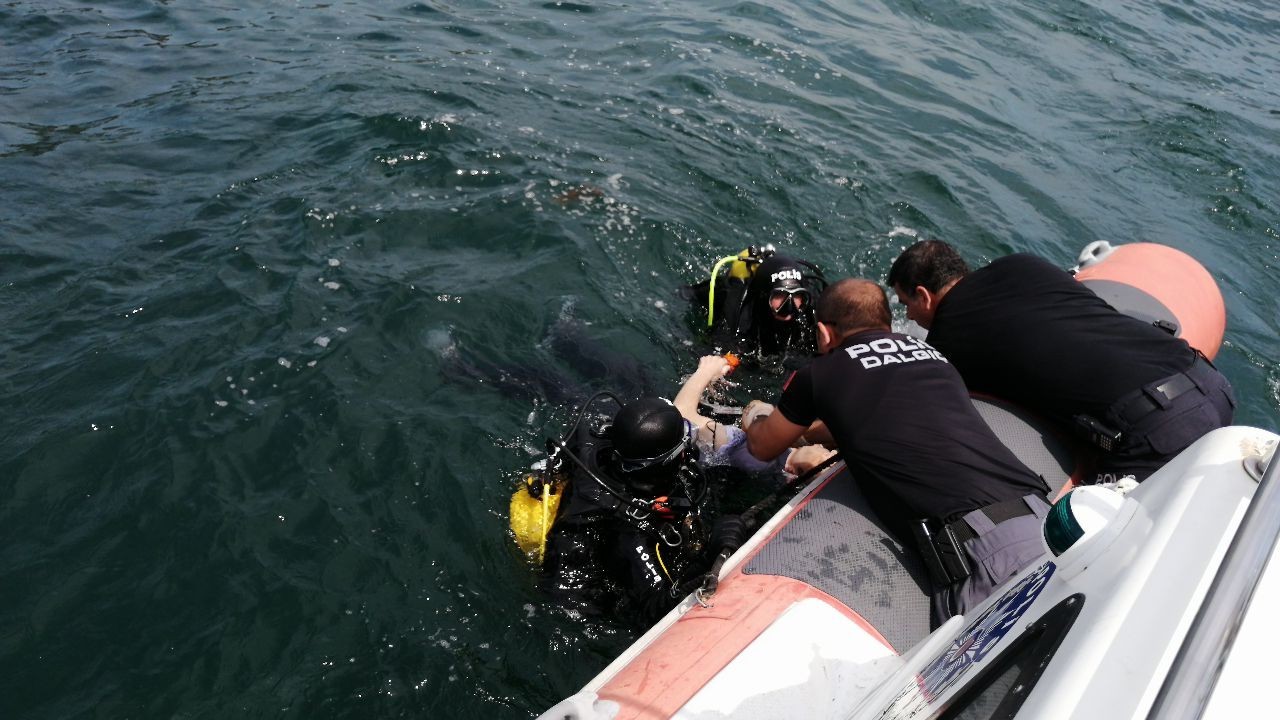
778	271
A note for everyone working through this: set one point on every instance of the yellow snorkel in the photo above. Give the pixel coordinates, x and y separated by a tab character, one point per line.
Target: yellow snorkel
711	289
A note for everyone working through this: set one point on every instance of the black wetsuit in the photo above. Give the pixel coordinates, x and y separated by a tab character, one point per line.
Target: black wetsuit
609	559
744	323
1026	331
903	420
750	329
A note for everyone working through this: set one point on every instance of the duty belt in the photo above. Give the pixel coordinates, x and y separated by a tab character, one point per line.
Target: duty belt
943	551
997	513
1123	413
1161	393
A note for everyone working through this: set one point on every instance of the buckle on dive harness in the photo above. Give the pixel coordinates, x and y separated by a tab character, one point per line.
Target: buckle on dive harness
663	532
662	507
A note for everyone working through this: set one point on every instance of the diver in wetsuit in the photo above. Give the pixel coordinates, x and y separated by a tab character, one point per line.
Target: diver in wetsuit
762	306
631	537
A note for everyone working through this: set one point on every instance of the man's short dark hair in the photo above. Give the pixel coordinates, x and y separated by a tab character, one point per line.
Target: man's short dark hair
930	264
852	305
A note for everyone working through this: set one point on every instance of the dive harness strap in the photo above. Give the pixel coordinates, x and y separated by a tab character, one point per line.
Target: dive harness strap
943	549
631	506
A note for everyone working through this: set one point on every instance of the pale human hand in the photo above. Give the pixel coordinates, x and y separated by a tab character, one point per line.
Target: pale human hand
755	410
714	366
804	459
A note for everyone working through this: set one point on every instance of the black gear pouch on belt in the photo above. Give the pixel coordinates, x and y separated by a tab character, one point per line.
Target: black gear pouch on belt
1098	434
943	554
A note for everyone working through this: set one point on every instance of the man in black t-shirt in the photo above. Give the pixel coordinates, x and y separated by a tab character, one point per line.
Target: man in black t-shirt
1026	331
903	421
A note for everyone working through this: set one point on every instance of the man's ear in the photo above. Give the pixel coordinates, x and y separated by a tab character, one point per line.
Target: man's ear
927	299
825	337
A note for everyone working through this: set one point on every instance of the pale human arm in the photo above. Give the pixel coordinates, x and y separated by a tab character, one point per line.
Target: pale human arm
806	458
710	369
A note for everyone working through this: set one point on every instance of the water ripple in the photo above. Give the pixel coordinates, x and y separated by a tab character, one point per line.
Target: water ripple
292	295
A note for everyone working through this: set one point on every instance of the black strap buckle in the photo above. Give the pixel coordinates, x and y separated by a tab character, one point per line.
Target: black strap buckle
1172	389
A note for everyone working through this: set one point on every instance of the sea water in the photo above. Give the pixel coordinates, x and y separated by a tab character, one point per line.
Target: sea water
293	292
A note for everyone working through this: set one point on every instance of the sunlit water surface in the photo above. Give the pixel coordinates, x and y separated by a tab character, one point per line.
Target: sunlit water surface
290	295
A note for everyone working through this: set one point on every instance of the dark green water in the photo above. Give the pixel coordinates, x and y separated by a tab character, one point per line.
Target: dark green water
241	249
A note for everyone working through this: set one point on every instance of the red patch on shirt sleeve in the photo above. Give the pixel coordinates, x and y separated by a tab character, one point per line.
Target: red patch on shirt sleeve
790	377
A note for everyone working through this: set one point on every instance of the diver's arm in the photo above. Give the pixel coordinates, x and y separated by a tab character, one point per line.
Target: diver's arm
573	569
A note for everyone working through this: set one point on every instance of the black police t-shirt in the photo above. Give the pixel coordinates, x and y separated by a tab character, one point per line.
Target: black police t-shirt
1028	332
907	428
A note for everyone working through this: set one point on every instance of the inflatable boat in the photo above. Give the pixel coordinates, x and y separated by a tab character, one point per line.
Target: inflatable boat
1149	601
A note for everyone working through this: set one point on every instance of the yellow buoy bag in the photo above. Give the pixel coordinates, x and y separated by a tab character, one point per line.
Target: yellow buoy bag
532	516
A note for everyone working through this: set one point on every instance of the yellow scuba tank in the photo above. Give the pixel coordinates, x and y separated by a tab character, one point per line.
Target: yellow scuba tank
533	511
741	267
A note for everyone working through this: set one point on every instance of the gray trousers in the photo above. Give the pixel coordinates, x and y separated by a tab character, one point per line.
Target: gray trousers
996	555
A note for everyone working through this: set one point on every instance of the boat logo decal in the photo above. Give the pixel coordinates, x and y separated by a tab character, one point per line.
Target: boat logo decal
979	638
